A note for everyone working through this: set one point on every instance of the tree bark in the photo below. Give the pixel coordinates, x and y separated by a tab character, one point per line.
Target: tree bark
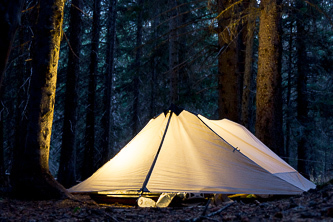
89	154
302	97
10	18
108	123
248	79
289	84
268	125
153	64
138	55
67	165
2	157
229	76
23	80
31	176
173	51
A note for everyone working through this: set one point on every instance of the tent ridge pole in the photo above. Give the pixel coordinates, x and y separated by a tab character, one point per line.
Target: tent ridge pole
144	185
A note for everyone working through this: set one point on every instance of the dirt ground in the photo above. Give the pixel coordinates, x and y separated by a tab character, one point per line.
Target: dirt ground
315	205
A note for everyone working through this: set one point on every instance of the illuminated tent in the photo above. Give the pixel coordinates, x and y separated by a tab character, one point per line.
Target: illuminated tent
179	151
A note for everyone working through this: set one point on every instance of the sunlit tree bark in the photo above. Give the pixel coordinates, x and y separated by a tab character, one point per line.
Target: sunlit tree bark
31	175
268	125
229	77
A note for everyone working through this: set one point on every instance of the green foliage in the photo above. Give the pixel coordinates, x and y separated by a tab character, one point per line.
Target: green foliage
77	210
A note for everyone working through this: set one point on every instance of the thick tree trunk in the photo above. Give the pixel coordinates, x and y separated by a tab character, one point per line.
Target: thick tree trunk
173	51
229	77
138	55
108	123
67	165
269	99
89	154
10	18
32	178
248	80
302	97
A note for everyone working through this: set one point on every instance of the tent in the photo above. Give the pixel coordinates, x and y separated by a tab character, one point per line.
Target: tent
179	151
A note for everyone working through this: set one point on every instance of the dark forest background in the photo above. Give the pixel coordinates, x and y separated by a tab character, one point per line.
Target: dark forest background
122	62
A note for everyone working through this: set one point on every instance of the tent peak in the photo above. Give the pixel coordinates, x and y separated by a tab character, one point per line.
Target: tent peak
175	109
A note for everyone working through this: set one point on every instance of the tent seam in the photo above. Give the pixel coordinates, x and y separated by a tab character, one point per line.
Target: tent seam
144	185
247	156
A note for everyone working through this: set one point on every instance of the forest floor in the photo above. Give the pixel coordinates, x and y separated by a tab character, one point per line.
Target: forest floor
315	205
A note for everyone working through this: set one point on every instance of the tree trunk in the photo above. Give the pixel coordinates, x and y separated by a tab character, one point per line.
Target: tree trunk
185	82
173	51
248	80
88	164
67	165
269	99
2	157
229	77
10	18
153	63
138	55
31	175
289	84
302	97
108	123
23	81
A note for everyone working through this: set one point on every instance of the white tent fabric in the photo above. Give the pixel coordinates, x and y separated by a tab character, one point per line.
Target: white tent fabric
238	136
190	153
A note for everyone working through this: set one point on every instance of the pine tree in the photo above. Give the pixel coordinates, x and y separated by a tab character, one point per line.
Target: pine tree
10	18
2	157
230	79
31	168
137	67
67	166
89	152
108	123
248	78
173	51
268	125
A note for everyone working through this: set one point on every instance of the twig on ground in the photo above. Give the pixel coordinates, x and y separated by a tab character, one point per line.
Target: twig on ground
111	217
202	216
206	207
220	210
